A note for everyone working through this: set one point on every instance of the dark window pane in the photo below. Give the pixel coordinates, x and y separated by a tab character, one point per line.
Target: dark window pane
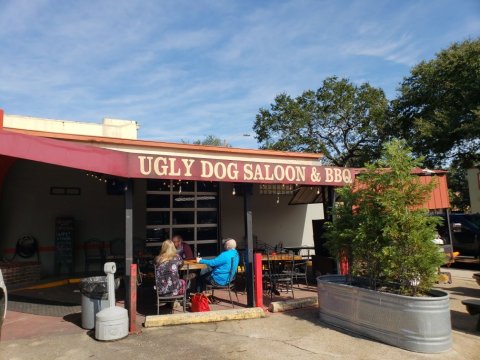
207	201
158	201
185	186
209	233
186	233
158	185
158	234
158	218
207	217
207	249
183	217
183	201
207	186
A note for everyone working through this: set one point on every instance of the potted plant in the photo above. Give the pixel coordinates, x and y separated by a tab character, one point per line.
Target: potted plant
380	223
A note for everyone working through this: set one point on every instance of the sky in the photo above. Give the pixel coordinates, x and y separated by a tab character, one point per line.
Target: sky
187	69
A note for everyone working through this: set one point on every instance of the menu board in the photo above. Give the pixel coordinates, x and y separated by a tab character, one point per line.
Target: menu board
64	245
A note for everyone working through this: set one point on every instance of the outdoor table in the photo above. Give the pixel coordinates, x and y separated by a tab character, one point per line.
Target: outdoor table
281	257
192	265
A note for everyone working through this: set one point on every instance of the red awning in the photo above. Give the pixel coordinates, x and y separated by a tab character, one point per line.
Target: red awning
63	153
154	164
135	165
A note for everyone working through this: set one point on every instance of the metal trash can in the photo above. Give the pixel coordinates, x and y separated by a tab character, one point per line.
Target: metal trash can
94	298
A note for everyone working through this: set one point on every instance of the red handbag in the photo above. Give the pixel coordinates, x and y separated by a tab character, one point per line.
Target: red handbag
200	303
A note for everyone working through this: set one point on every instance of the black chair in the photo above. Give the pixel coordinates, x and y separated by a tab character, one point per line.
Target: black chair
94	253
300	270
230	285
182	298
279	275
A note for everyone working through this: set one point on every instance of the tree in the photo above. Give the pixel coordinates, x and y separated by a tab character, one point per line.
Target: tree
438	108
343	121
211	140
458	189
382	226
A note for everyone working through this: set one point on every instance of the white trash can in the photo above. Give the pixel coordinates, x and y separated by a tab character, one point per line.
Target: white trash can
94	298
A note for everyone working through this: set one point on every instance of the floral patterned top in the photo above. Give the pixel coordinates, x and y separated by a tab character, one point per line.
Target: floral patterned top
167	279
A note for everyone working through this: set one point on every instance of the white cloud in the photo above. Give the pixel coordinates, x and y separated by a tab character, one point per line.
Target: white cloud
189	69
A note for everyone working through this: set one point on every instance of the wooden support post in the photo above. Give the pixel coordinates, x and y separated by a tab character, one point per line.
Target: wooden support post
258	280
128	239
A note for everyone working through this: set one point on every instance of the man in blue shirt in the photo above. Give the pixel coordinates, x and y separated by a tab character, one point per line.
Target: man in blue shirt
218	270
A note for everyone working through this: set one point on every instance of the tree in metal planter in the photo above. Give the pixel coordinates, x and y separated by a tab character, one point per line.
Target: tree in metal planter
381	224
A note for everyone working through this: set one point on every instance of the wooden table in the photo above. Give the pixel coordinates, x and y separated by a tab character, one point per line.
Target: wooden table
281	257
192	265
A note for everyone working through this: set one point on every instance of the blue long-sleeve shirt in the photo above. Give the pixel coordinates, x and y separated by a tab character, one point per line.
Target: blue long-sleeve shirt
221	265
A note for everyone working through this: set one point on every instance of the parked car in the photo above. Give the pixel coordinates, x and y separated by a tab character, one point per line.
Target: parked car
465	233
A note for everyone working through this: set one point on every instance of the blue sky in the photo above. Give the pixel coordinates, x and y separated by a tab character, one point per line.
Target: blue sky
186	69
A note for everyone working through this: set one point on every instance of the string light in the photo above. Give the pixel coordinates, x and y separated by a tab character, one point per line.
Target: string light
318	191
233	190
278	199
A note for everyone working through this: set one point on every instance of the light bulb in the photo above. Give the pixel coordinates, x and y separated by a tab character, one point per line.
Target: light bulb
180	189
233	191
318	191
278	199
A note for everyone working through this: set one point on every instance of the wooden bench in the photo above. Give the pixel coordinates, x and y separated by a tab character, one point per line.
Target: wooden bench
473	308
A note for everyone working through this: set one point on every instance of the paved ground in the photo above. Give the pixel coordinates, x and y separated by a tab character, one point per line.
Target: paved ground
293	334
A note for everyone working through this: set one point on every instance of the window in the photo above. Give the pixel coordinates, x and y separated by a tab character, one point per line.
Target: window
186	208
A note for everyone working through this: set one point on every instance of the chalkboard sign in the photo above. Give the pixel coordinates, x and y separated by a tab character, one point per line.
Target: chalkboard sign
64	245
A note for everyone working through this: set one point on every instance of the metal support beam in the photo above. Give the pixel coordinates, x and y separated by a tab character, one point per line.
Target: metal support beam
449	227
128	237
247	207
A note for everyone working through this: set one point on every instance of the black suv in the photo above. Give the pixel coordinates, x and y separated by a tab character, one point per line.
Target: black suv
465	233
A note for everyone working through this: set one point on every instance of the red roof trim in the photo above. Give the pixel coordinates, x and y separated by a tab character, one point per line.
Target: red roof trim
167	145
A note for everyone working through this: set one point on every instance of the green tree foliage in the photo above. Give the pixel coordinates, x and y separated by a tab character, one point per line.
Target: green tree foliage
458	189
343	121
438	108
381	224
211	140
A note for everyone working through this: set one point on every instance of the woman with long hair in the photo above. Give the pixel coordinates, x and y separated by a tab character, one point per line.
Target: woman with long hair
167	266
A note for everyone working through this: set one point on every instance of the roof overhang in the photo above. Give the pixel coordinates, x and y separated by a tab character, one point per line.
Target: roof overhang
185	163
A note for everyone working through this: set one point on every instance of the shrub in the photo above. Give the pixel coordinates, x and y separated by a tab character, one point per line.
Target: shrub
381	224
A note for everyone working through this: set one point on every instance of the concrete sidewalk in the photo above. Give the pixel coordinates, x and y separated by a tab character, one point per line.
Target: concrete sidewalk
293	334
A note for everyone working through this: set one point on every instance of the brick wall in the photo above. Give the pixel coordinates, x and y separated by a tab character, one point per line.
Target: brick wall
17	274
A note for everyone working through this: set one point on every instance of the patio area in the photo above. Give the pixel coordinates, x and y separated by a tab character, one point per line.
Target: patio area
44	311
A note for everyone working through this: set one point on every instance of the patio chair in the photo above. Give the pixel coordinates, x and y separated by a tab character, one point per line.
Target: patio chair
230	285
300	271
182	298
450	256
94	253
280	274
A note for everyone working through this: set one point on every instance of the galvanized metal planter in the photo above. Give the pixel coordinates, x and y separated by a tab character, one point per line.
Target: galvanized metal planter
420	324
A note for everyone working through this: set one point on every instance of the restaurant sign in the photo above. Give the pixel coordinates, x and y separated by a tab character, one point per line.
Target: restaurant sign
202	169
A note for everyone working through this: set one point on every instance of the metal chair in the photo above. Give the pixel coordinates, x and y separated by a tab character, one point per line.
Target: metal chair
161	299
450	256
300	270
230	285
280	275
94	253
